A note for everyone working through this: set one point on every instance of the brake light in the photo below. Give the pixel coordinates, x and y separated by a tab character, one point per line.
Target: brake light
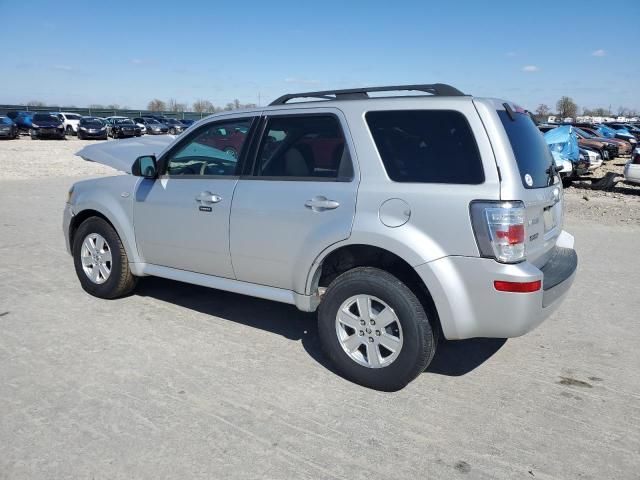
517	287
499	230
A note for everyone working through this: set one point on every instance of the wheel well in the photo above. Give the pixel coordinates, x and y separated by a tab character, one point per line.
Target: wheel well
77	220
346	258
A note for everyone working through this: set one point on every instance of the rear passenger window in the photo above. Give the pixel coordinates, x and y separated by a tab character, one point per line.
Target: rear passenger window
306	147
426	146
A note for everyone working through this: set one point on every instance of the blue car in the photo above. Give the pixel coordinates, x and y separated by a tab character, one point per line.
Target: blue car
8	129
22	119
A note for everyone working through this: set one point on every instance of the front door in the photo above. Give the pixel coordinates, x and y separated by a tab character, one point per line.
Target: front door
182	218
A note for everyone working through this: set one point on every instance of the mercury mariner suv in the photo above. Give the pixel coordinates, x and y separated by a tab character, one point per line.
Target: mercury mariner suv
399	218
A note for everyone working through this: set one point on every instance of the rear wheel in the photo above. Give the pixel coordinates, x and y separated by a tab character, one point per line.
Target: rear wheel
69	130
101	261
375	330
231	151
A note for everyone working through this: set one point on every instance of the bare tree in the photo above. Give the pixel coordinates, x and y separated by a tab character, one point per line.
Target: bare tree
203	106
96	106
113	106
567	107
156	105
542	112
35	103
175	106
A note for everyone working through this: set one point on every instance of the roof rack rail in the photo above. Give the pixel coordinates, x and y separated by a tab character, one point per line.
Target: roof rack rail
440	89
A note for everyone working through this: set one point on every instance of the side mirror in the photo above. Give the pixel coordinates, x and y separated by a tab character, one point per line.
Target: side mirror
145	166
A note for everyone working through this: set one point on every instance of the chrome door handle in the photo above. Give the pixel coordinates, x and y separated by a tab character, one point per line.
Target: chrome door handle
208	197
320	203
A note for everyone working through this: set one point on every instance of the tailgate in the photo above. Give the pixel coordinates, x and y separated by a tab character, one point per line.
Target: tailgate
533	183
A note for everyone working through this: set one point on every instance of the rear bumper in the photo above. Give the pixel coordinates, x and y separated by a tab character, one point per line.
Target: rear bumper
469	306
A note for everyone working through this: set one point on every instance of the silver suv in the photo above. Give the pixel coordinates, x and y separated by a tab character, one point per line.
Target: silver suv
399	218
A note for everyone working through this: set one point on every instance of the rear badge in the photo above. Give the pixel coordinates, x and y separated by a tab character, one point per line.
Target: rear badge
528	180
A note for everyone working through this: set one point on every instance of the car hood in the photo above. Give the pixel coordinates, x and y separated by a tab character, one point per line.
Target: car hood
121	154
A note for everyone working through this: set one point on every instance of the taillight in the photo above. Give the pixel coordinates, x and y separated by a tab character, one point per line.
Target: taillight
499	230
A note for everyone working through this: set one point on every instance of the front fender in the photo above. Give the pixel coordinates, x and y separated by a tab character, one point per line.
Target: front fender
112	197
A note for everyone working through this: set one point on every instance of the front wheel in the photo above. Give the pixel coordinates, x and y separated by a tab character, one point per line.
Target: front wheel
375	330
69	130
101	261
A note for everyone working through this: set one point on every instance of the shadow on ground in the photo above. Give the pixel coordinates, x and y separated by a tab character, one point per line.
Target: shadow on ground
453	358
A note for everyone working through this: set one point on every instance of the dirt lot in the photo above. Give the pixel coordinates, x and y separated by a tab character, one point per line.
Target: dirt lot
178	381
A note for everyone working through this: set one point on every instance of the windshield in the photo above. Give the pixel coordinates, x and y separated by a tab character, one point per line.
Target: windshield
582	133
72	116
39	117
5	121
123	121
152	121
94	122
529	148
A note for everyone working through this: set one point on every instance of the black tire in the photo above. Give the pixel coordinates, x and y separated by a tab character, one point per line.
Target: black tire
80	137
419	338
172	131
69	130
33	136
567	182
121	281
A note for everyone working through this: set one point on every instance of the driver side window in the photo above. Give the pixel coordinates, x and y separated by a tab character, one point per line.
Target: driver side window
211	151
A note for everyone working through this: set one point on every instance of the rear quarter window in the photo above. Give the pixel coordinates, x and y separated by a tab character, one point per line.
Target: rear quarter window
529	147
426	146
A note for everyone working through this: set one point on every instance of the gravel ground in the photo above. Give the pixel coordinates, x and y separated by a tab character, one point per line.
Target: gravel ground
178	381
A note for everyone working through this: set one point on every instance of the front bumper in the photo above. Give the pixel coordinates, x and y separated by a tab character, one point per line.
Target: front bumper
469	306
49	133
95	134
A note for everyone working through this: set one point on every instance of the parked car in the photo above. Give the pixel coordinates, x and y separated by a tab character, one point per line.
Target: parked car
124	127
608	149
431	247
22	119
47	125
624	147
609	132
8	129
632	168
153	126
187	122
175	127
593	158
92	127
70	121
230	140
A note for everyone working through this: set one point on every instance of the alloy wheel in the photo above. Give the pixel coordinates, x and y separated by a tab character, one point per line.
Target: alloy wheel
95	255
369	331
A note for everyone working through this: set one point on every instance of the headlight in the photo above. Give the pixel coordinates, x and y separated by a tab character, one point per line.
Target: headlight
82	128
103	128
633	140
34	125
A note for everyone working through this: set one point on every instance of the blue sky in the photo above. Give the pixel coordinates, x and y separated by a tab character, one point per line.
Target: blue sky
130	52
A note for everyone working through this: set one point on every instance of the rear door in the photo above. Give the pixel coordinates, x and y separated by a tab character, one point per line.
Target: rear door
532	182
298	198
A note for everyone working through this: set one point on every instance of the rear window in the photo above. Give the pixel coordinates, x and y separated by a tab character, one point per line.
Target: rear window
426	146
531	151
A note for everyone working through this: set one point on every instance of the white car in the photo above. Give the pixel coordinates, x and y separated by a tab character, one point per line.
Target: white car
632	168
70	121
595	160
